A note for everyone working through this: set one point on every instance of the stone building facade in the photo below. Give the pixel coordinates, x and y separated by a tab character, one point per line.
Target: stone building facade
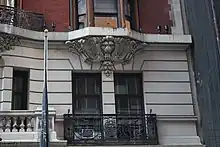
115	70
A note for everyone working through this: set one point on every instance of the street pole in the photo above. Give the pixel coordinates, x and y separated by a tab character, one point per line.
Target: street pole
44	142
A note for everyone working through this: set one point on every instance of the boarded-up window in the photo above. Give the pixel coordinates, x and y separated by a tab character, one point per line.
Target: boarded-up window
105	13
20	90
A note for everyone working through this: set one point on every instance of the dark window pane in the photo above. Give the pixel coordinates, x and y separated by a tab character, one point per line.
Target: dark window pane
127	7
97	86
139	85
134	85
121	86
18	84
128	93
135	106
87	106
93	105
17	101
122	106
19	90
81	86
91	84
74	86
88	99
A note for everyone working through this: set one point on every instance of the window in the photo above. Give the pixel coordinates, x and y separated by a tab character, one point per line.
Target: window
129	106
20	90
87	93
81	13
108	13
105	13
129	8
128	94
87	105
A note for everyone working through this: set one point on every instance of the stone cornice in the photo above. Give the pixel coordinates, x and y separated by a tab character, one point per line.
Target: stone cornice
97	31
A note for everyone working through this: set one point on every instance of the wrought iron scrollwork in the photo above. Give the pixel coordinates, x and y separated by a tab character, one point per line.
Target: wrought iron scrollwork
20	18
110	129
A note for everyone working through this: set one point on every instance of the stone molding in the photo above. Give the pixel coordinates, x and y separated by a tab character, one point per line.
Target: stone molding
7	41
106	50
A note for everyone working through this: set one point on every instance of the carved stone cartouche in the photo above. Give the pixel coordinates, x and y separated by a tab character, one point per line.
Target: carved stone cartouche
107	50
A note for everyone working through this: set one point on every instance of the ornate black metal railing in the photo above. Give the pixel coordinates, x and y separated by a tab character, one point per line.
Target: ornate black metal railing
110	129
20	18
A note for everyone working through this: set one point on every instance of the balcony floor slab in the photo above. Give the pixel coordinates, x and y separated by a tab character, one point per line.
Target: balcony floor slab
63	144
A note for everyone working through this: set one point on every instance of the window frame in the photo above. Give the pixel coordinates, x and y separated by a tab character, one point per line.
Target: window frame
107	14
131	18
77	96
24	74
139	96
124	124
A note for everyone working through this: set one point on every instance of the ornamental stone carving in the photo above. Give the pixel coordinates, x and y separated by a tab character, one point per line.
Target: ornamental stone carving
7	41
107	50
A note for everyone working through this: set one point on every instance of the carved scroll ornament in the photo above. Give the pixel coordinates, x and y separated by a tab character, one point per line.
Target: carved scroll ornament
106	50
7	41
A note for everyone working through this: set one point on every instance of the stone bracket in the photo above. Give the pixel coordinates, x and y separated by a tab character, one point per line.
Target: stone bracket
7	42
107	50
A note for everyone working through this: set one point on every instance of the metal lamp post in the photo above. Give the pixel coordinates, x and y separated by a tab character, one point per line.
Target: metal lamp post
44	140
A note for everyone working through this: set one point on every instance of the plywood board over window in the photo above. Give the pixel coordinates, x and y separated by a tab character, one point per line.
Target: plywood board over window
106	22
105	13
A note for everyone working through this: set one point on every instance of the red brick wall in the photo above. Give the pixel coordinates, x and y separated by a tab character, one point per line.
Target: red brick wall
153	13
56	11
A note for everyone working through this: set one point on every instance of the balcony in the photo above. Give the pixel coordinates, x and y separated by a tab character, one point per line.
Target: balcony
24	125
110	129
21	19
